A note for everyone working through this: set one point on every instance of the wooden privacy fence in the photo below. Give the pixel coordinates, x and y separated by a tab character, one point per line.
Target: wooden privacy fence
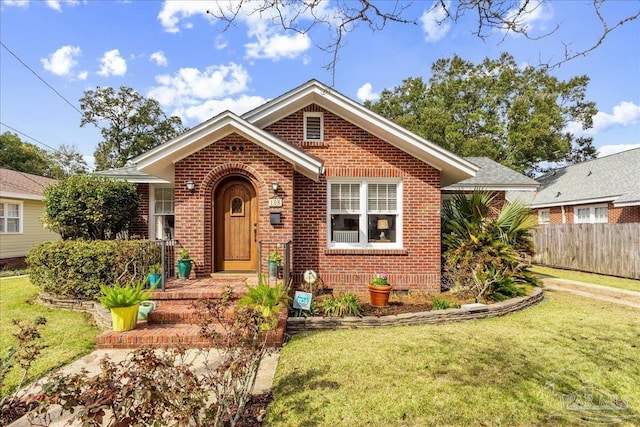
612	249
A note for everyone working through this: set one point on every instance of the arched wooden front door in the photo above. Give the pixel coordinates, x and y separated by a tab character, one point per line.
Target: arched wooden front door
236	217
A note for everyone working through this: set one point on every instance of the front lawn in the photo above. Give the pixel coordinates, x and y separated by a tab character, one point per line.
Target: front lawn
67	334
519	370
596	279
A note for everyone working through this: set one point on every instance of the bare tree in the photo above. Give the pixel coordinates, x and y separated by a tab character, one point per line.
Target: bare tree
343	16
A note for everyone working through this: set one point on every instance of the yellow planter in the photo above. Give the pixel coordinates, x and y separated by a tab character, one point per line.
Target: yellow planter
124	318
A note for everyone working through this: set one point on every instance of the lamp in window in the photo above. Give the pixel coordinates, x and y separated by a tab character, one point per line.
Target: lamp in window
274	187
382	225
191	186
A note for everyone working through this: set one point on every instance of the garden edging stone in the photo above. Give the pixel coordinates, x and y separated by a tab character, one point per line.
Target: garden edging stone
301	324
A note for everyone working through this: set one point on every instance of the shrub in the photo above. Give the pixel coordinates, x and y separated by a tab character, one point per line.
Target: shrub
162	387
485	251
266	299
77	268
442	304
342	305
89	207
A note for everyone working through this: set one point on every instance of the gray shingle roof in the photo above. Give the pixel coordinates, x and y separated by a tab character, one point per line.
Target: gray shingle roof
22	183
130	173
615	177
494	176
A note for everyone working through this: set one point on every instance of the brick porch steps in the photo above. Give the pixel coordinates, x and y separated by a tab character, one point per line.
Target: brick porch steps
175	320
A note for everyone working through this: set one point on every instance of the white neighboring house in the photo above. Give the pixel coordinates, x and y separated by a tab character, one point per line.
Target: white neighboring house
21	210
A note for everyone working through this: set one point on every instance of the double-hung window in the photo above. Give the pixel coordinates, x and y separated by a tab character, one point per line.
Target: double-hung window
591	214
10	217
544	216
364	214
163	210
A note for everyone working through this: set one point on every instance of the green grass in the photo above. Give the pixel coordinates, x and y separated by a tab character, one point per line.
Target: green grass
67	334
493	372
596	279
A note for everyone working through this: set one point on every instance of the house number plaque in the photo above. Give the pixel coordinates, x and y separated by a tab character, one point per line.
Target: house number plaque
275	203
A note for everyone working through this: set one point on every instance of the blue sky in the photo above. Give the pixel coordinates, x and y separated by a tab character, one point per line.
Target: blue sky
179	55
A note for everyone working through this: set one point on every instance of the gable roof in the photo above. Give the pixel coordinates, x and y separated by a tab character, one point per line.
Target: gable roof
22	185
158	161
613	178
494	176
452	168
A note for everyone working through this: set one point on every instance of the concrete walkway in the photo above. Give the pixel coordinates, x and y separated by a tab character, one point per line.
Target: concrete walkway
589	290
91	363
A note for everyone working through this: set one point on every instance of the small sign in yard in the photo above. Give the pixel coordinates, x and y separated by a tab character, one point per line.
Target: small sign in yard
302	300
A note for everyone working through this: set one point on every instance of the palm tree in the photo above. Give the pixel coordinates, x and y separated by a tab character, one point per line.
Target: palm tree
485	251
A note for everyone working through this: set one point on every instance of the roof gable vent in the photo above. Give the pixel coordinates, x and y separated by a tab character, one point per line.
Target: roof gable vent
313	127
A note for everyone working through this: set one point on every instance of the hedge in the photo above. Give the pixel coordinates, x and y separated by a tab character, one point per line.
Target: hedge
76	268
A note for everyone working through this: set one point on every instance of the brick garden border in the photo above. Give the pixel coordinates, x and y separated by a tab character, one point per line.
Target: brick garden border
100	314
301	324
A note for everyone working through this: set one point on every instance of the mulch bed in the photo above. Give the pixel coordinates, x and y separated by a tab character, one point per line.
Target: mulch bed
395	307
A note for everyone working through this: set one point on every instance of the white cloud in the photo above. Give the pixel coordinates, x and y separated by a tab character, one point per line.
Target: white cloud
277	46
57	4
433	23
83	75
213	107
607	150
220	43
536	13
159	58
17	3
62	61
199	95
174	11
624	114
269	41
365	93
189	84
112	64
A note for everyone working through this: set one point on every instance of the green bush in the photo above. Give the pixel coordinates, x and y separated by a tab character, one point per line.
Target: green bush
343	305
89	207
76	268
443	304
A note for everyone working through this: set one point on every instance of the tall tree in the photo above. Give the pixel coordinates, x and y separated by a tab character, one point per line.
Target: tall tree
69	160
130	124
515	116
22	156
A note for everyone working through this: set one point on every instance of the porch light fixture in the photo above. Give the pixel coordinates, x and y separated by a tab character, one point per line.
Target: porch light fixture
191	186
274	187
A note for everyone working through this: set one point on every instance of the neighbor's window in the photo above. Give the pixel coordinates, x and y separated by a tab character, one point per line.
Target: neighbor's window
313	127
10	217
544	216
364	214
591	214
163	211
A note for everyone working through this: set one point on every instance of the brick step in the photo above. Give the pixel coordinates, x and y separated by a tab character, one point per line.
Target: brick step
167	314
154	336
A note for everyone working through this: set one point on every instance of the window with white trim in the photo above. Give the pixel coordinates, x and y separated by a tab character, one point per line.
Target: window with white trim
10	217
544	216
163	211
364	214
592	214
313	126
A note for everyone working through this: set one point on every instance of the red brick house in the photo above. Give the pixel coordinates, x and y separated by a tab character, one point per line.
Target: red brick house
603	190
353	192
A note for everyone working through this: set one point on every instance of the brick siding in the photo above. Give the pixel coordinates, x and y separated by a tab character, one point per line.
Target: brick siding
617	215
347	151
139	227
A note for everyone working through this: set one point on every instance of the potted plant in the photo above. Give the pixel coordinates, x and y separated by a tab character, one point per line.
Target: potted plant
379	290
123	302
155	276
184	264
273	264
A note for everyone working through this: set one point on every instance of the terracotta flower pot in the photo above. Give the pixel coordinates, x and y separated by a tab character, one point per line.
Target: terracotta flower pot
379	295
